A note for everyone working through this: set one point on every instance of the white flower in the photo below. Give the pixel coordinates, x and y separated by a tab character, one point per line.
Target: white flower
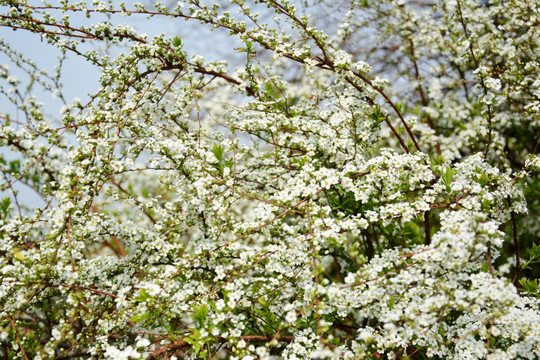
291	316
261	350
56	334
220	272
379	83
492	83
342	58
362	67
220	304
142	343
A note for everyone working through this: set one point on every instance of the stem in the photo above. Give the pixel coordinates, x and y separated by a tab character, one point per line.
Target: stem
386	119
17	336
516	244
427	228
476	63
424	99
489	262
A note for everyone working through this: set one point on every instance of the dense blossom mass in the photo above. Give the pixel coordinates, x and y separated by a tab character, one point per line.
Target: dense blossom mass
360	183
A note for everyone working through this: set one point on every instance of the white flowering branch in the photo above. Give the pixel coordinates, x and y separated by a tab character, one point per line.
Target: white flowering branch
362	185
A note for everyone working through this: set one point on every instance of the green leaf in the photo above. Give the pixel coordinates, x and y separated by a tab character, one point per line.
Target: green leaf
263	302
200	314
534	256
412	231
15	166
247	49
486	205
483	180
177	42
320	269
5	203
441	331
195	340
534	252
18	255
377	114
447	176
299	161
438	161
145	192
530	286
140	318
391	302
143	296
218	166
349	205
218	152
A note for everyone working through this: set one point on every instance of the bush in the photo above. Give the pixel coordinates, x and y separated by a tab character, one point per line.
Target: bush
364	190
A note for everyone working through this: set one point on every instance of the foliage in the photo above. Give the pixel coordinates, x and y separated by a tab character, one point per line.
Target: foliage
360	191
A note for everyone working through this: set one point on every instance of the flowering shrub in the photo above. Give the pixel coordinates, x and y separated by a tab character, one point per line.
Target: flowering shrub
361	191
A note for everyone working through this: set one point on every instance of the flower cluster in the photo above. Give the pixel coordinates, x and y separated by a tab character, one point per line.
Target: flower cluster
362	191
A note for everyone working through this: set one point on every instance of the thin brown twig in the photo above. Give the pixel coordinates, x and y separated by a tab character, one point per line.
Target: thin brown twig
490	263
516	244
17	336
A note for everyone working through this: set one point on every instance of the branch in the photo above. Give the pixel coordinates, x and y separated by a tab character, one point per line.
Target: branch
17	336
476	63
516	244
